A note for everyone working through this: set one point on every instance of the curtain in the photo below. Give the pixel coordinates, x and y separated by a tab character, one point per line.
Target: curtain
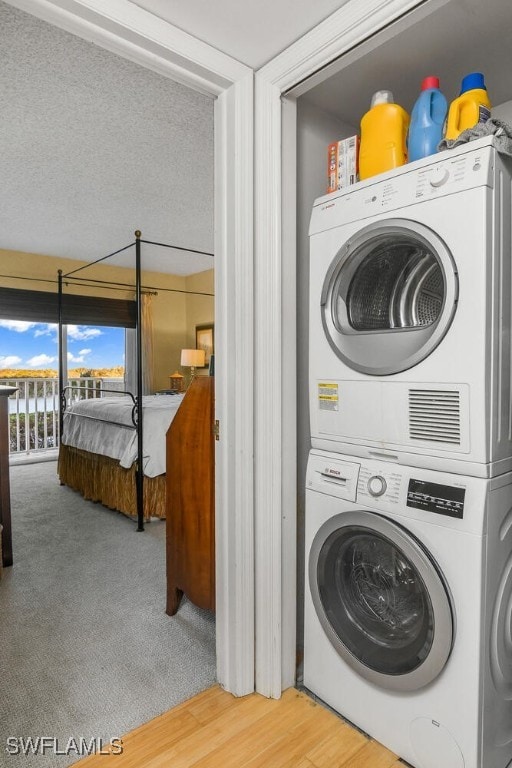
130	362
42	307
147	344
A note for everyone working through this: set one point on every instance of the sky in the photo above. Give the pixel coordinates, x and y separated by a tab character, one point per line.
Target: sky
34	346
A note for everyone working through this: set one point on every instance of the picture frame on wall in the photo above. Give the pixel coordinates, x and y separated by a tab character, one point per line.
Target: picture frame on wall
205	340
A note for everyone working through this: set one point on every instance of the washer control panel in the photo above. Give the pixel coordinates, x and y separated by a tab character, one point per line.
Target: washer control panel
392	489
379	483
383	486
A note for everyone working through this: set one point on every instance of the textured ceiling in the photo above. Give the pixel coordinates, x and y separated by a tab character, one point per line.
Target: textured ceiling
251	32
94	147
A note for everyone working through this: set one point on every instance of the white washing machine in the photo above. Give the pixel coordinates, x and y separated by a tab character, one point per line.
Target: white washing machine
408	607
411	314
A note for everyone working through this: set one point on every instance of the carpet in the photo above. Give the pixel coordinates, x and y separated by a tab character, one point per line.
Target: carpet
86	648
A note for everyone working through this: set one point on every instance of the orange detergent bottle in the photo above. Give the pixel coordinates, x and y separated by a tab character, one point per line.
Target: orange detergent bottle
383	136
468	109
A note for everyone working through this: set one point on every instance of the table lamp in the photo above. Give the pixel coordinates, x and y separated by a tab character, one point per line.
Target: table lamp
192	358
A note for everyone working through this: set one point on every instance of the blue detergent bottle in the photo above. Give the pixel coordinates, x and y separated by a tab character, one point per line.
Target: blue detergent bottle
427	120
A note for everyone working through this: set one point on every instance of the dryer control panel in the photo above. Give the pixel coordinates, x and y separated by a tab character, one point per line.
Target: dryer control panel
465	167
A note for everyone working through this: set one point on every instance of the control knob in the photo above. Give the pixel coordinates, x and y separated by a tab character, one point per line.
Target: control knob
377	485
438	177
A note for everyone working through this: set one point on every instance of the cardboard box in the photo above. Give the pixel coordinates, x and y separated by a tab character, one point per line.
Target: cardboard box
342	163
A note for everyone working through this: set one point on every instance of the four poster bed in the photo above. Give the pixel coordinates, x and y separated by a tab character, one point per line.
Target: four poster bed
99	450
112	449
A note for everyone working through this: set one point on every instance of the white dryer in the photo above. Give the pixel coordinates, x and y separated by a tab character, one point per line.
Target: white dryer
408	603
411	314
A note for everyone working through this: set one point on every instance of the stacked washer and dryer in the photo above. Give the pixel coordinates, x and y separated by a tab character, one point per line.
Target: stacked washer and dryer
408	598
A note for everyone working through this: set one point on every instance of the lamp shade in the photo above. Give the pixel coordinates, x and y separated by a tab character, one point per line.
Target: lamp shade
193	358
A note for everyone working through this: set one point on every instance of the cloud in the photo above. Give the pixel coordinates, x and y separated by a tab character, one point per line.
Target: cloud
42	359
46	330
9	361
20	326
78	358
82	332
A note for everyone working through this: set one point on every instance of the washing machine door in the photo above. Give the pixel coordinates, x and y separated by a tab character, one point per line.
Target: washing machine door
381	599
389	297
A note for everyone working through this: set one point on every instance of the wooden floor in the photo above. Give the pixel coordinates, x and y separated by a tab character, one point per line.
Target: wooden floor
216	729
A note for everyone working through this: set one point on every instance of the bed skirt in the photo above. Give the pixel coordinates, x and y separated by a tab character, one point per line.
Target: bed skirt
100	478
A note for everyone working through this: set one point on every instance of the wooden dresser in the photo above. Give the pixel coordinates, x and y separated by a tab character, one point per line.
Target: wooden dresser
190	499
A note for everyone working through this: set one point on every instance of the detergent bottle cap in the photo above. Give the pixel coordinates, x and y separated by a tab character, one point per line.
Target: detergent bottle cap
382	97
473	80
429	82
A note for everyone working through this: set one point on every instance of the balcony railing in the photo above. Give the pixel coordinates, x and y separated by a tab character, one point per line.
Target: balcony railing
34	409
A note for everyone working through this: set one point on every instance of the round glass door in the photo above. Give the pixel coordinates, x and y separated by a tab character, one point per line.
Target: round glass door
381	600
389	297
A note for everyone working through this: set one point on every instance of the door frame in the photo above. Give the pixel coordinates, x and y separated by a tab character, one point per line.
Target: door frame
131	32
277	86
255	286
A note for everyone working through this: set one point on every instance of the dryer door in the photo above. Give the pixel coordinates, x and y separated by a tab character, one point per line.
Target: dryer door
381	600
389	297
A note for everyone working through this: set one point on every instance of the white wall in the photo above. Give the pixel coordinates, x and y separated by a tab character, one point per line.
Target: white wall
315	131
503	112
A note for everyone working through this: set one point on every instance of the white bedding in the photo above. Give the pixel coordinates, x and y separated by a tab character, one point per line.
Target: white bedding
118	442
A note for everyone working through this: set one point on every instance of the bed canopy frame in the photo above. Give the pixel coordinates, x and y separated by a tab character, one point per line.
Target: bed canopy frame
137	412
